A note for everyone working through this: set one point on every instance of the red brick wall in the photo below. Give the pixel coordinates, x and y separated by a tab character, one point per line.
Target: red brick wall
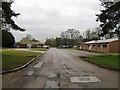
114	46
96	48
111	47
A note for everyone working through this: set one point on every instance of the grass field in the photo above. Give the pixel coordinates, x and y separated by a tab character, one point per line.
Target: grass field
14	58
116	54
39	49
111	60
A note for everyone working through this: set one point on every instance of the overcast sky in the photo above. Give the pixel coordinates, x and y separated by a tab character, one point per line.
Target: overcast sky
48	18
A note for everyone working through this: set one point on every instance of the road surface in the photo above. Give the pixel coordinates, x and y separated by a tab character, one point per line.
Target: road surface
59	68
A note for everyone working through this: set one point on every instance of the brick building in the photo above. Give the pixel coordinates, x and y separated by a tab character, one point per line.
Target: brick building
107	45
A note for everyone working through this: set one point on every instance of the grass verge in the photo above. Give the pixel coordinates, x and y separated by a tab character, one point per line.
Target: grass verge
39	49
77	48
107	61
12	59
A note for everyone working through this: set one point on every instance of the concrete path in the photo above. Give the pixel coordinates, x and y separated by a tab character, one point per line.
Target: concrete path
24	49
62	69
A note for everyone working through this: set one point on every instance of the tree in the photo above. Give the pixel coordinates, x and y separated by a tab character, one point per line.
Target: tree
64	38
58	41
110	18
51	42
34	40
91	34
7	23
70	37
87	34
8	39
7	14
28	39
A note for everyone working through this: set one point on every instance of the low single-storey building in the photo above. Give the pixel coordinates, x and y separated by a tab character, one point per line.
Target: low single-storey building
24	44
107	45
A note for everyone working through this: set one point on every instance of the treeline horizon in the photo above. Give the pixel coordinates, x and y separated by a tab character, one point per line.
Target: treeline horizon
72	37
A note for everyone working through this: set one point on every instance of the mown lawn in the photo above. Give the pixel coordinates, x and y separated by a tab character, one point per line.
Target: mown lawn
14	58
110	60
39	49
76	48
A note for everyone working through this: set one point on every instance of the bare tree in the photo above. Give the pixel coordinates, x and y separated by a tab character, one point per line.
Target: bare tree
92	34
70	37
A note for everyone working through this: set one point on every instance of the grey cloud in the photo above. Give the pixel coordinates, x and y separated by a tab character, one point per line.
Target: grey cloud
47	18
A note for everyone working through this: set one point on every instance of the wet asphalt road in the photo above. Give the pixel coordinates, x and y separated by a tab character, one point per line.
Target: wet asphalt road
55	69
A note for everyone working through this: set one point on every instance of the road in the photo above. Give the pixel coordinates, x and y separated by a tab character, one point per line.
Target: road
59	68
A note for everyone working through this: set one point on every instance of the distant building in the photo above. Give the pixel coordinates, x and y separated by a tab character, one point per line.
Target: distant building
32	44
107	45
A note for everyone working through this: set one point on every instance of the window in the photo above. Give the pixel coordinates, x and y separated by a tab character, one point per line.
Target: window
98	45
105	45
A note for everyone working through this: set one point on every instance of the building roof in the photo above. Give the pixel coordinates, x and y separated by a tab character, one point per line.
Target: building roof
102	41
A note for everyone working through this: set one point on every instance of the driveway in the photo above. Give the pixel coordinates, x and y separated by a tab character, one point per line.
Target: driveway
59	68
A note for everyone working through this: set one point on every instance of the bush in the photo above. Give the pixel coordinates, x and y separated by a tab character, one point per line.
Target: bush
8	39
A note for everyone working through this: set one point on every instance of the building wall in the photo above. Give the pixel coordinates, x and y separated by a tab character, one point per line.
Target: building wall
102	47
23	46
18	45
37	45
114	46
94	47
34	45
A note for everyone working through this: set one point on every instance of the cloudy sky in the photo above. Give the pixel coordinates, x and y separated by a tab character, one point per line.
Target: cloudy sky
48	18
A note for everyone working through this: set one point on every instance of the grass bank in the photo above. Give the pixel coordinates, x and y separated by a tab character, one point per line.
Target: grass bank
12	59
110	61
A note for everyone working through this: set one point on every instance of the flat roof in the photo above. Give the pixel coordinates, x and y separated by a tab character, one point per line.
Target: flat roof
102	41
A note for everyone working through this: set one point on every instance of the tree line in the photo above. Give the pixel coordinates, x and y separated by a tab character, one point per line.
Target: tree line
73	37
